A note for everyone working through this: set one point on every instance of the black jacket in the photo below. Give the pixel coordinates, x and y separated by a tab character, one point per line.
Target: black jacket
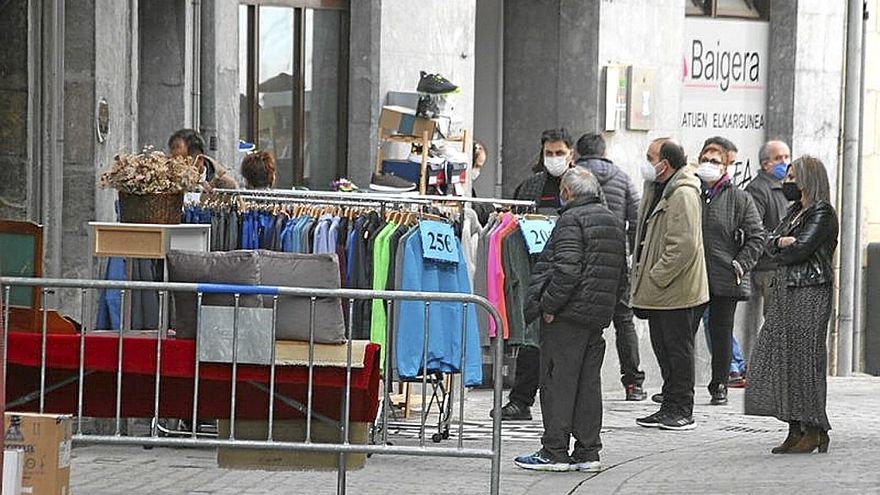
620	193
767	193
732	231
810	260
532	189
579	276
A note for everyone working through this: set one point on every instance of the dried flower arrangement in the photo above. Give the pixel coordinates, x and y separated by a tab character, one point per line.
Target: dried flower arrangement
151	172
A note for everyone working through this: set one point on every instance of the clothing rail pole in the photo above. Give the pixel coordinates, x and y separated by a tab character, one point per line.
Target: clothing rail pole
387	198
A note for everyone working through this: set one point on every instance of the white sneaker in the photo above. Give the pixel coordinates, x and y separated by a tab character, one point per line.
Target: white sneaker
587	467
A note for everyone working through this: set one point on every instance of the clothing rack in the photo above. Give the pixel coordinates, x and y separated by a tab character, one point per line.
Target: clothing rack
376	197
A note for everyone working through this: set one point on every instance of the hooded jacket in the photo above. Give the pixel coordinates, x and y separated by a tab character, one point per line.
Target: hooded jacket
620	193
670	270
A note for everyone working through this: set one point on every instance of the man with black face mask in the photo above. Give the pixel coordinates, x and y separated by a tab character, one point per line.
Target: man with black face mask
766	191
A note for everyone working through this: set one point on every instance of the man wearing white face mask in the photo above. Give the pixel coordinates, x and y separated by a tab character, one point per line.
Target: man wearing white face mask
557	156
733	240
669	284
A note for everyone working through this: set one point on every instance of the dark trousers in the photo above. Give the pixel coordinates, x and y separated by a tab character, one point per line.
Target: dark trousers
528	373
528	360
672	337
721	313
571	390
627	346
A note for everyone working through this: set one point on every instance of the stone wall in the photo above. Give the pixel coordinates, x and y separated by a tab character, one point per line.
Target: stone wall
817	108
550	77
14	164
661	22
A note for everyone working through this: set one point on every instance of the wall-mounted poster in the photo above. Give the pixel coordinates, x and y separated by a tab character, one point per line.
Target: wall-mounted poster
640	116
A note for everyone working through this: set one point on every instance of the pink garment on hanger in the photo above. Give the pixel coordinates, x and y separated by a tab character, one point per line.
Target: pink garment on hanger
495	277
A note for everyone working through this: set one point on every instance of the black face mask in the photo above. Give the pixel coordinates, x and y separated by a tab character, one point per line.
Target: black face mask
791	191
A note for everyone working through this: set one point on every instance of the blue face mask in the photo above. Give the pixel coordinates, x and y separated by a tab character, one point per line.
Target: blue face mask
779	170
562	201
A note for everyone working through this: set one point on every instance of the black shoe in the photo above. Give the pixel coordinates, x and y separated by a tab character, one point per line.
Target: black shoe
652	421
677	422
635	393
719	396
390	183
658	398
435	84
514	411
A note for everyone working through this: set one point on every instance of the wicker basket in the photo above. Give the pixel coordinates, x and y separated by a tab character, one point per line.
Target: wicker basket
164	208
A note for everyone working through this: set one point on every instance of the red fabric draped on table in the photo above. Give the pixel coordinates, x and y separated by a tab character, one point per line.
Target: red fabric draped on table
176	388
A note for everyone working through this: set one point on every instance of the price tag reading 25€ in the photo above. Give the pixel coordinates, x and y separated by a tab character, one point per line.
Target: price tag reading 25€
438	241
536	233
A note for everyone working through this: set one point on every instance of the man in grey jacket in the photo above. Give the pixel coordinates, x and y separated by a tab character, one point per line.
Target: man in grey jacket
623	201
766	191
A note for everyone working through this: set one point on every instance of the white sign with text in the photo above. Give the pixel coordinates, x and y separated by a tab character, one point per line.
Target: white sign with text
724	88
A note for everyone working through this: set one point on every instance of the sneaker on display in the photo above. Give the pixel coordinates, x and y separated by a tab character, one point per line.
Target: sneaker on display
539	461
435	84
343	185
390	183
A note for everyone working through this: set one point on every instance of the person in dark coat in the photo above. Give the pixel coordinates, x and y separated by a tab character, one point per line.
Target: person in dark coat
788	370
574	289
623	200
733	240
557	156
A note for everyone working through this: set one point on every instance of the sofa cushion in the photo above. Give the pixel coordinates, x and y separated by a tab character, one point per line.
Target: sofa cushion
233	267
317	271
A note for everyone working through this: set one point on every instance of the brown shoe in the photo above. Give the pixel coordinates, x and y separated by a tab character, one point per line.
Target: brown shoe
794	435
808	442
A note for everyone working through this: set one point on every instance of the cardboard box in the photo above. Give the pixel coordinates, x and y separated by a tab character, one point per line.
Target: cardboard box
404	121
45	440
13	467
288	431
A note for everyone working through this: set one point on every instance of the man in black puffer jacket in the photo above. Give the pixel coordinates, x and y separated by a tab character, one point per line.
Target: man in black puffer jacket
623	200
575	287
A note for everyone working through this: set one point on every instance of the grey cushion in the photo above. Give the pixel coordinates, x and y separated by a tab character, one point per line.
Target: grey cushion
233	267
317	271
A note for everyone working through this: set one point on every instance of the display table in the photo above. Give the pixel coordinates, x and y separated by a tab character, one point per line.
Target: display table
176	389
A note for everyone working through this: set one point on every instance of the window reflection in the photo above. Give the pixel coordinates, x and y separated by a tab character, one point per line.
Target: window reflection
275	89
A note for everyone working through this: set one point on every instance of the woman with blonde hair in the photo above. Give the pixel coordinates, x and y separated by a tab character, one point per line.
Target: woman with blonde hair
788	365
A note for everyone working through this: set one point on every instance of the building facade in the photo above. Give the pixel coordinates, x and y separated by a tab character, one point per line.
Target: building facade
306	79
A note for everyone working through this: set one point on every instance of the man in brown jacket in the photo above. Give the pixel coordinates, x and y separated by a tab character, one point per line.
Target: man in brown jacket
670	287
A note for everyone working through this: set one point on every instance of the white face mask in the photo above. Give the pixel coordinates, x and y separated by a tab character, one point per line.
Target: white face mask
475	174
709	172
649	173
556	165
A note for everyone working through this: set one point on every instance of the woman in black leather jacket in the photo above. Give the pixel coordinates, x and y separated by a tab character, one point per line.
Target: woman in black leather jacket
788	367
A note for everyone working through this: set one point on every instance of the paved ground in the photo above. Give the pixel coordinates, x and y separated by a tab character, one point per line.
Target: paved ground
727	453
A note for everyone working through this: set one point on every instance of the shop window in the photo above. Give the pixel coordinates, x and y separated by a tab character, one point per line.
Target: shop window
743	9
293	85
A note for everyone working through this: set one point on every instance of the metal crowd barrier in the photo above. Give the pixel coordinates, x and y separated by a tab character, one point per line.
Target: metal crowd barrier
47	285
